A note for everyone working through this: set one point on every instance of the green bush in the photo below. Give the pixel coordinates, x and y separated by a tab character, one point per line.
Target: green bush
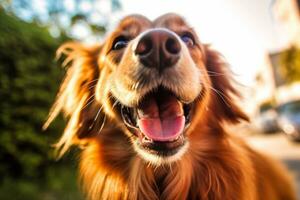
29	80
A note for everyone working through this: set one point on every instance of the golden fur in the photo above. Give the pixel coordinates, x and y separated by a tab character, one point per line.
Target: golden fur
216	164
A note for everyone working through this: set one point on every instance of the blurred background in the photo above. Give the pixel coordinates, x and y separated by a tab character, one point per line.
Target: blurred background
260	39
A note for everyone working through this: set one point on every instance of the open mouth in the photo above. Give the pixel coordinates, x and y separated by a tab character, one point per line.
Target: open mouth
158	121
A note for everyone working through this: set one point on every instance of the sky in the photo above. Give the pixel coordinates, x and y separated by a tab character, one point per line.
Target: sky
242	30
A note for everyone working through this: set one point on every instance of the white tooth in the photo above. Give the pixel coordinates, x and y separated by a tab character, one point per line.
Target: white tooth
145	139
176	138
180	137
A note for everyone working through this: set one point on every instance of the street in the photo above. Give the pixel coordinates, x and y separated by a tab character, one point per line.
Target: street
278	146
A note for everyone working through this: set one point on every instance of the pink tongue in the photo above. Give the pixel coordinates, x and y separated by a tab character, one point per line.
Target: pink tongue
163	120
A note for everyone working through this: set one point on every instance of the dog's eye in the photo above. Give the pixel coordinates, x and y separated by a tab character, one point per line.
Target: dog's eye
188	40
120	43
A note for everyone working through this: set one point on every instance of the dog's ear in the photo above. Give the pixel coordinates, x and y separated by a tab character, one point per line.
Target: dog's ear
76	96
223	91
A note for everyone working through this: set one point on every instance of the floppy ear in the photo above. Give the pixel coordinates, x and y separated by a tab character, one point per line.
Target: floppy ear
76	97
223	92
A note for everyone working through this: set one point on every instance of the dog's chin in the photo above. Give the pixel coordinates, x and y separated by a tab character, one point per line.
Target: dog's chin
158	156
157	126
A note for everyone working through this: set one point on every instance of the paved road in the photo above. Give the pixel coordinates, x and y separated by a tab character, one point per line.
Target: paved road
279	147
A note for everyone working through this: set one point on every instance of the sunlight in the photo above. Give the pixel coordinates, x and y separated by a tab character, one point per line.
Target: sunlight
243	38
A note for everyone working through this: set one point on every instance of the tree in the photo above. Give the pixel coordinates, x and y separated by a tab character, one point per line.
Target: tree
64	16
29	80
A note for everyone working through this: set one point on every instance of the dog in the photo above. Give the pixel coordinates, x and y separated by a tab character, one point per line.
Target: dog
150	107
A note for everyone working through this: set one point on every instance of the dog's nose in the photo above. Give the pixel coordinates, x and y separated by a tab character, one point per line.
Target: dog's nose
158	49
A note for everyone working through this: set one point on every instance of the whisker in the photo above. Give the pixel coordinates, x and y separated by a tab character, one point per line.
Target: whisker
92	81
89	101
116	102
222	95
102	125
96	117
141	81
92	86
212	73
104	118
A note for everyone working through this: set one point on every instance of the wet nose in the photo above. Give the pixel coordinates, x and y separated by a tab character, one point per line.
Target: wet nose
158	49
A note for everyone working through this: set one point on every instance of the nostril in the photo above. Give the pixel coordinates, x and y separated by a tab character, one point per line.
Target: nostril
144	46
173	46
158	49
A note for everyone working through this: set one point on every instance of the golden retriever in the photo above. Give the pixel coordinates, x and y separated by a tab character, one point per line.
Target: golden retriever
149	107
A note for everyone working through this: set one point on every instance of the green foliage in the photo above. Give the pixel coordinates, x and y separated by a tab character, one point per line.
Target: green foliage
63	15
60	183
29	80
290	64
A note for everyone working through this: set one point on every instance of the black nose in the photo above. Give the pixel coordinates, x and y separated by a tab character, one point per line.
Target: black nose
158	49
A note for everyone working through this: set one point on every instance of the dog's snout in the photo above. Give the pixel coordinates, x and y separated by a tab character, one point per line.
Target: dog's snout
158	49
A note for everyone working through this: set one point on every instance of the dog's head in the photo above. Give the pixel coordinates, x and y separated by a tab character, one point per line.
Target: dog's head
154	80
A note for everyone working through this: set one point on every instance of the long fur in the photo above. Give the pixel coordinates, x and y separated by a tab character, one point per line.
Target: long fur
217	165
